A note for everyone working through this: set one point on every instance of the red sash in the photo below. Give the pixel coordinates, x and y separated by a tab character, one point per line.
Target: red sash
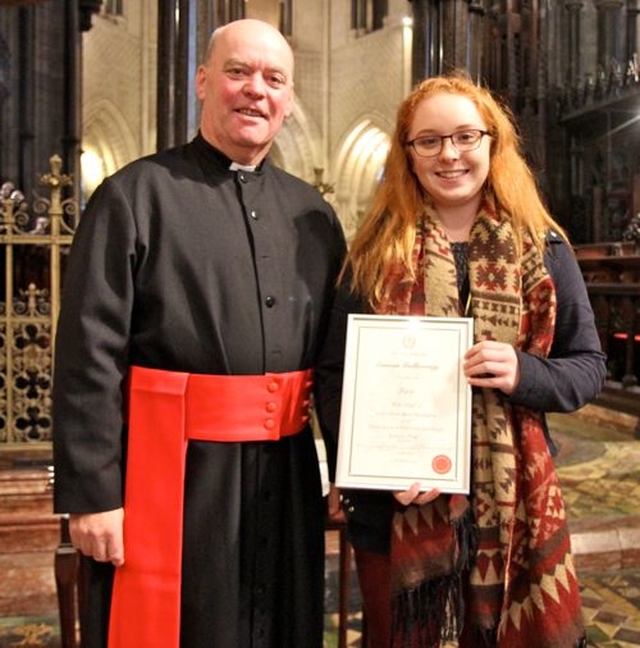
166	409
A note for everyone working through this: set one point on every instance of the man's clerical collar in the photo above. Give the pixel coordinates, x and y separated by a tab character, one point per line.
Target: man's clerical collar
234	166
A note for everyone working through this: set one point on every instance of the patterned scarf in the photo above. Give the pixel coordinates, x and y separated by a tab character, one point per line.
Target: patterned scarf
493	569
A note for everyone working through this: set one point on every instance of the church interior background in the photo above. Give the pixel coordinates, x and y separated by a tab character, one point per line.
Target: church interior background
87	86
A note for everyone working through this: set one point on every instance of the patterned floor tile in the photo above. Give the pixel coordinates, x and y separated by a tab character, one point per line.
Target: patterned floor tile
599	469
598	466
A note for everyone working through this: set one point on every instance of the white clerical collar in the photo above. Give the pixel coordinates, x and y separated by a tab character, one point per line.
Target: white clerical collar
242	167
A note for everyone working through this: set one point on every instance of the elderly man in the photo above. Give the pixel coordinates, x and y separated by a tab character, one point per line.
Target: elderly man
195	305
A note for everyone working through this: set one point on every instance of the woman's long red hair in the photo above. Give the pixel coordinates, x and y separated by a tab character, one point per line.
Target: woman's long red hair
385	238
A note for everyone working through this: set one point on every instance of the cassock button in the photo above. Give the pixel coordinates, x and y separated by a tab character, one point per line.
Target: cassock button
273	386
270	301
243	177
269	424
254	214
272	406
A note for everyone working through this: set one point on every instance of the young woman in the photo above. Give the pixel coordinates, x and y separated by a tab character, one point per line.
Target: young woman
458	227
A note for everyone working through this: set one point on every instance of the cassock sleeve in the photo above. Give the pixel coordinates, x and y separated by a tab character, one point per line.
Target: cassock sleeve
91	357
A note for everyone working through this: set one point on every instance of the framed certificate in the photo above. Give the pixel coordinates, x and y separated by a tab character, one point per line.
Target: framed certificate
406	404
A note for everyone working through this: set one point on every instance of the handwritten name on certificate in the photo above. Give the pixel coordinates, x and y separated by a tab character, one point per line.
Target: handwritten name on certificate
406	404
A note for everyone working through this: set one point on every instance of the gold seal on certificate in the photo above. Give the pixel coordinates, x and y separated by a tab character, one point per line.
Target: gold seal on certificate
406	404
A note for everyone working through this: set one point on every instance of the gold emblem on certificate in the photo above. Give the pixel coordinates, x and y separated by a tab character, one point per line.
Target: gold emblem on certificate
406	404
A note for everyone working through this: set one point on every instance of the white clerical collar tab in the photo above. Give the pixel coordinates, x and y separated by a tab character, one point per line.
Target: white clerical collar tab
242	167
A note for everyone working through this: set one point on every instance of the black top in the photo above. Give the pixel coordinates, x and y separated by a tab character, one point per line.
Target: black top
181	263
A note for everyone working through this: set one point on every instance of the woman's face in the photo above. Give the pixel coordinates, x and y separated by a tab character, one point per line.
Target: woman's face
453	178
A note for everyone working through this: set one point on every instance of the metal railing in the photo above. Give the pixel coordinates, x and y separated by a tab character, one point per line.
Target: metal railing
34	241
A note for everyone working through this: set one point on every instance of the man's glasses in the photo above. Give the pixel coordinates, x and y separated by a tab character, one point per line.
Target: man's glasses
464	140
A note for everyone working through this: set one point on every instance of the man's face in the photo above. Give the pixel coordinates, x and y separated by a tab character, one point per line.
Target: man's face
246	89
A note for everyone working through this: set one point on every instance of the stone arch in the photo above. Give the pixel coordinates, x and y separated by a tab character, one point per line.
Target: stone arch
297	148
107	133
358	167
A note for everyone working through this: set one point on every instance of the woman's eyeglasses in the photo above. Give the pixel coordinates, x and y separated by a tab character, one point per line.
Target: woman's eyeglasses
463	141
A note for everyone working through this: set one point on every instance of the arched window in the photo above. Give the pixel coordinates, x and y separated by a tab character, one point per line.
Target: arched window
368	15
112	7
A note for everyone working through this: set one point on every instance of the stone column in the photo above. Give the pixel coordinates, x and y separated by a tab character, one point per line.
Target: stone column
611	31
454	38
633	13
447	35
26	144
574	8
424	40
173	70
5	70
476	52
72	95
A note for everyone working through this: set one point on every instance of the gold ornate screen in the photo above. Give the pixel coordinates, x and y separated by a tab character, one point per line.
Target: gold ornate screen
34	241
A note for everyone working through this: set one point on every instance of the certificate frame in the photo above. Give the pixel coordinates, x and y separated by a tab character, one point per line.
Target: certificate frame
406	404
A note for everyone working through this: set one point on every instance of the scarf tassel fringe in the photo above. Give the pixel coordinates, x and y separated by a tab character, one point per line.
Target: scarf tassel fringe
429	614
433	612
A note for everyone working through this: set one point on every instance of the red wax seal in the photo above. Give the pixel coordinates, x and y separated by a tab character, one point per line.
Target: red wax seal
441	464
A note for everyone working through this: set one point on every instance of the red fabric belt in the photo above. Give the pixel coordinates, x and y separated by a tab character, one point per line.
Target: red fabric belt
166	410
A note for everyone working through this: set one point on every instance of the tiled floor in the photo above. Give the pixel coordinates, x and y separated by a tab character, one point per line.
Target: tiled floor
599	468
611	605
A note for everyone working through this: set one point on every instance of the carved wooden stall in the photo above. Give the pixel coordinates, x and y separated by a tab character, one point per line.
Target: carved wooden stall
599	196
612	276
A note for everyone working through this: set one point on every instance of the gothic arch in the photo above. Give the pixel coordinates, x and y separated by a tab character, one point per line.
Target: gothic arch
358	167
297	148
107	133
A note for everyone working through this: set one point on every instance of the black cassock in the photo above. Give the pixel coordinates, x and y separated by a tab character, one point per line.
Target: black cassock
180	263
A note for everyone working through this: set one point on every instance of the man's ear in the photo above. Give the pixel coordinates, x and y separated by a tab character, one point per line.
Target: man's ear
200	81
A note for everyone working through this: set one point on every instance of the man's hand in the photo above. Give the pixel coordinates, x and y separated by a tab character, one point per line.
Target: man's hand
99	535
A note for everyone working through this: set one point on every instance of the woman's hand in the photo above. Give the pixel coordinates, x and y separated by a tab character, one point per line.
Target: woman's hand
492	364
334	510
414	496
